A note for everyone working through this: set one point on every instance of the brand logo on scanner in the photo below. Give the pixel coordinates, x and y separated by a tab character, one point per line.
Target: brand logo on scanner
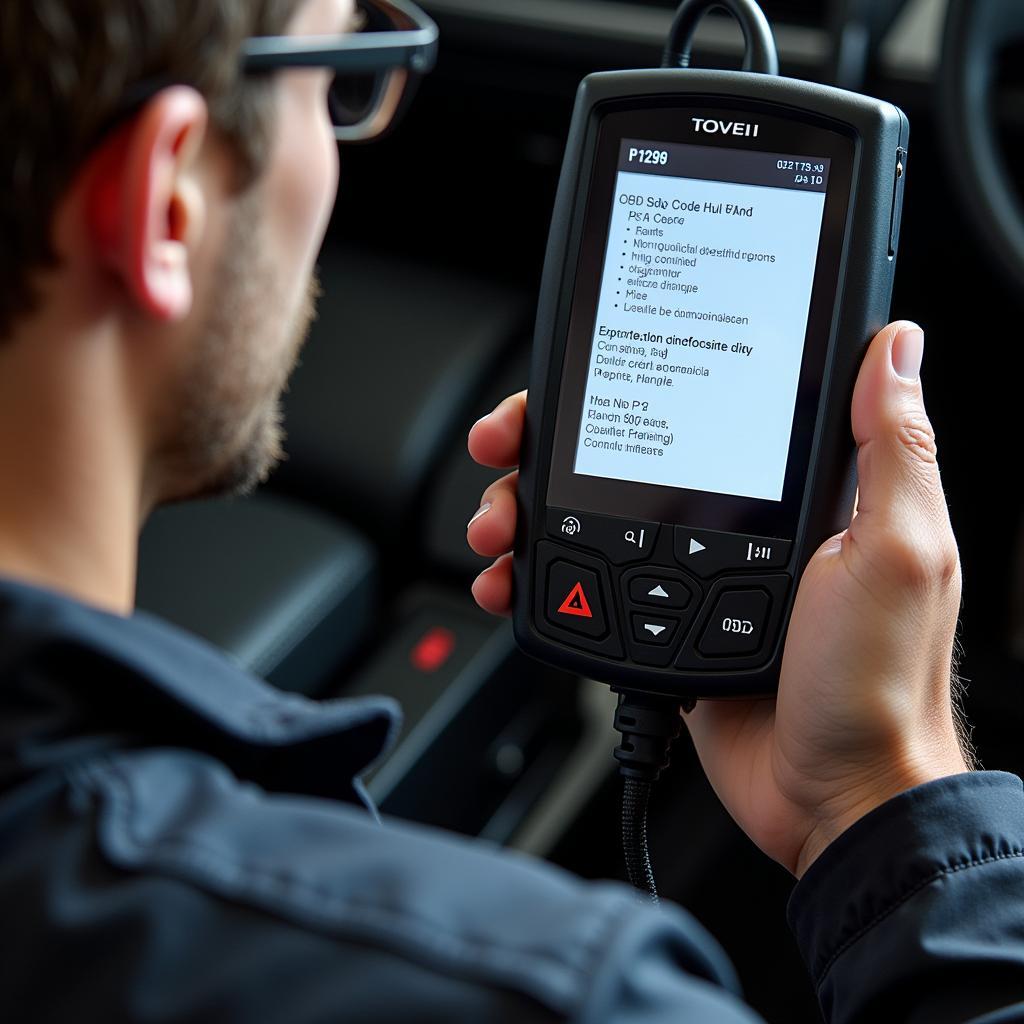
704	124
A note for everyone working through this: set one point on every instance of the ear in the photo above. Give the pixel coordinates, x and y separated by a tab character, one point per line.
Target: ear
145	207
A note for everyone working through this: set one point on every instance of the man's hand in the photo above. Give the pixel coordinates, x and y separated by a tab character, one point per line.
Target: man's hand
494	441
864	709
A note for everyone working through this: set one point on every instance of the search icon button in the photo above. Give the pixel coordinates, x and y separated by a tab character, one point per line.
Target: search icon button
619	540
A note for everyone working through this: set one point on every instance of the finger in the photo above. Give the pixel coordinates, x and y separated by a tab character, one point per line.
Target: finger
492	589
900	495
495	440
508	483
897	464
492	530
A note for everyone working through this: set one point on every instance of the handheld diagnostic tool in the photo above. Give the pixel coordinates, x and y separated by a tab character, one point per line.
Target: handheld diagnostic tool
721	252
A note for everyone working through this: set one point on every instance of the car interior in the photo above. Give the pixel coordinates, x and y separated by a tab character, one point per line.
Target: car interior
349	574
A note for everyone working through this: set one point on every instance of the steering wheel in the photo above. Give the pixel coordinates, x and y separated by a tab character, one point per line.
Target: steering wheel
976	30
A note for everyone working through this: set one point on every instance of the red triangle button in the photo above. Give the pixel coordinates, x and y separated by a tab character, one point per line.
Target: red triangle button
576	603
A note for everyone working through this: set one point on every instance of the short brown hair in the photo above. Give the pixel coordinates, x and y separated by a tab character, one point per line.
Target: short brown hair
65	69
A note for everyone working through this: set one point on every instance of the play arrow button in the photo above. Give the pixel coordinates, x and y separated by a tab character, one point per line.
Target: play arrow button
695	546
658	591
654	630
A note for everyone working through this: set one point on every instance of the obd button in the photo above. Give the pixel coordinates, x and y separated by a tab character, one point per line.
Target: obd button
737	625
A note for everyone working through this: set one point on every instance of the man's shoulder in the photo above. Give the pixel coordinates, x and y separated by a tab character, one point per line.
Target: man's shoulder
176	830
169	848
448	904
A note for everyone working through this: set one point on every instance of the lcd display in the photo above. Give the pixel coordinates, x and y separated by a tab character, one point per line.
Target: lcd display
701	318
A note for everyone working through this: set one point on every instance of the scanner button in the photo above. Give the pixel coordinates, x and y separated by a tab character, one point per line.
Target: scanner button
658	592
574	600
619	540
654	629
708	552
737	625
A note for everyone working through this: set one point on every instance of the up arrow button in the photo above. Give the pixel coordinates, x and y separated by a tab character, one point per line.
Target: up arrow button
665	591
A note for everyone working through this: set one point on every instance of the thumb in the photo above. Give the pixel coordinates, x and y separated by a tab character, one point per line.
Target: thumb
900	492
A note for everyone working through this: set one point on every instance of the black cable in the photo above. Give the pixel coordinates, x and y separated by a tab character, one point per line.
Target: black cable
635	796
760	56
648	725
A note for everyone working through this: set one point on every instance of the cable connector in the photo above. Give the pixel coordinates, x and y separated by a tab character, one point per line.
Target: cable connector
648	725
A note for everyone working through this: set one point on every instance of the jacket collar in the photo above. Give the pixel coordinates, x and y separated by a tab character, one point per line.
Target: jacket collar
75	680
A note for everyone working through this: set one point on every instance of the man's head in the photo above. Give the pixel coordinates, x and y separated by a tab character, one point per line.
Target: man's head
172	240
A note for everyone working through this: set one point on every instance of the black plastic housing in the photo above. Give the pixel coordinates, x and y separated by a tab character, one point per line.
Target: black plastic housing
879	134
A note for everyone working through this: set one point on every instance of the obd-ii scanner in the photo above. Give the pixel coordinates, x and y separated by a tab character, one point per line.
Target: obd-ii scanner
721	251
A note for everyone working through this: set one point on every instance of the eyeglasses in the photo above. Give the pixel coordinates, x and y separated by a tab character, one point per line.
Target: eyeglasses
377	67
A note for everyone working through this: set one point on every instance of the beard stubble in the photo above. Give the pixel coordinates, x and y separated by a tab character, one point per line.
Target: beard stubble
230	432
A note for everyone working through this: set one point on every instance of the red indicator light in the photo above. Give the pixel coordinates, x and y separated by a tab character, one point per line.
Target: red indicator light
432	649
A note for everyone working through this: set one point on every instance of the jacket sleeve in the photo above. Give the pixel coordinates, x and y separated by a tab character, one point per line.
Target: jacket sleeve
916	913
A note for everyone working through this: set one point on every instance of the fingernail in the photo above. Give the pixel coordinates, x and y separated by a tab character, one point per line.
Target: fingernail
484	508
908	352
